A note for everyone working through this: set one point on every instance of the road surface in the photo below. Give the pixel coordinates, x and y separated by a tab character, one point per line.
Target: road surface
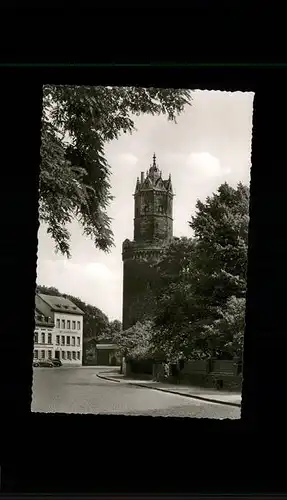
79	390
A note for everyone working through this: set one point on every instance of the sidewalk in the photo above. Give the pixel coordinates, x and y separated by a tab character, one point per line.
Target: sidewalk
204	394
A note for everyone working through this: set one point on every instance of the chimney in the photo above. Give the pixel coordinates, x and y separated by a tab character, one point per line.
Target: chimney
142	177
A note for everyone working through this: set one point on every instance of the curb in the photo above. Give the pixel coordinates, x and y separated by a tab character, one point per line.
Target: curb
201	398
107	378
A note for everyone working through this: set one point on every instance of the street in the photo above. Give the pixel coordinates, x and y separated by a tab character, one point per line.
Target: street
79	390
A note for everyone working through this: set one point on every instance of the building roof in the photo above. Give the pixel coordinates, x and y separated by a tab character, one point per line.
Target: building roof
60	304
106	346
39	310
41	319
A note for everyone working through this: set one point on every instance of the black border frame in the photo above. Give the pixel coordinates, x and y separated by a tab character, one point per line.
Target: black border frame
222	455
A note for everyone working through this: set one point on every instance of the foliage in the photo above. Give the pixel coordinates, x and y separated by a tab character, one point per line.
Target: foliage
200	275
115	326
221	232
135	342
48	290
172	318
226	334
109	335
176	261
75	176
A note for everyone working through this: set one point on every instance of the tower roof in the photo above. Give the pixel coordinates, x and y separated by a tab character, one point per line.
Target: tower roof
154	172
153	179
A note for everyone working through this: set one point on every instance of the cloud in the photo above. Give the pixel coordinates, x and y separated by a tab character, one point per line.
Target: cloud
58	269
204	165
97	270
127	158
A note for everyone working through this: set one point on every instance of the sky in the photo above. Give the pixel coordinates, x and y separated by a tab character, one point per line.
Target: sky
209	144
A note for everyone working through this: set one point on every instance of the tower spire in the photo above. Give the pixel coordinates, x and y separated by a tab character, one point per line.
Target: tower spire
154	172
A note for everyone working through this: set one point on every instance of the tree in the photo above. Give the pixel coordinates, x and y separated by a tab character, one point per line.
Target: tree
74	178
221	232
226	334
176	263
48	290
200	275
110	333
115	327
135	343
173	297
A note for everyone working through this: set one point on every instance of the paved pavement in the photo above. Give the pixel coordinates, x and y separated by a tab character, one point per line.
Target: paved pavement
213	395
80	390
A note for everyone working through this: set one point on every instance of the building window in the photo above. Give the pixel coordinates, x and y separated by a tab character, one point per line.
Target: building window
73	340
63	323
68	340
73	325
36	337
69	354
78	354
57	339
68	324
43	354
63	355
36	354
74	355
43	337
78	325
78	340
49	338
63	340
58	323
49	354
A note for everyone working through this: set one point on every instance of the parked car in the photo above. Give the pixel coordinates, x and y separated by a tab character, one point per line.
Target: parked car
47	363
56	362
36	362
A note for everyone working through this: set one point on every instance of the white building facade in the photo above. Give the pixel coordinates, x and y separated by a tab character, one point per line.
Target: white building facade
68	338
58	330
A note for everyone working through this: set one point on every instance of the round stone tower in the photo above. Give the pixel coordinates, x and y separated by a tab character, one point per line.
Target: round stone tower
153	230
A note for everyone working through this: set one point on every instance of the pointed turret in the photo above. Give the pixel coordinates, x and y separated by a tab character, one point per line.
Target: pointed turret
137	185
169	186
154	172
